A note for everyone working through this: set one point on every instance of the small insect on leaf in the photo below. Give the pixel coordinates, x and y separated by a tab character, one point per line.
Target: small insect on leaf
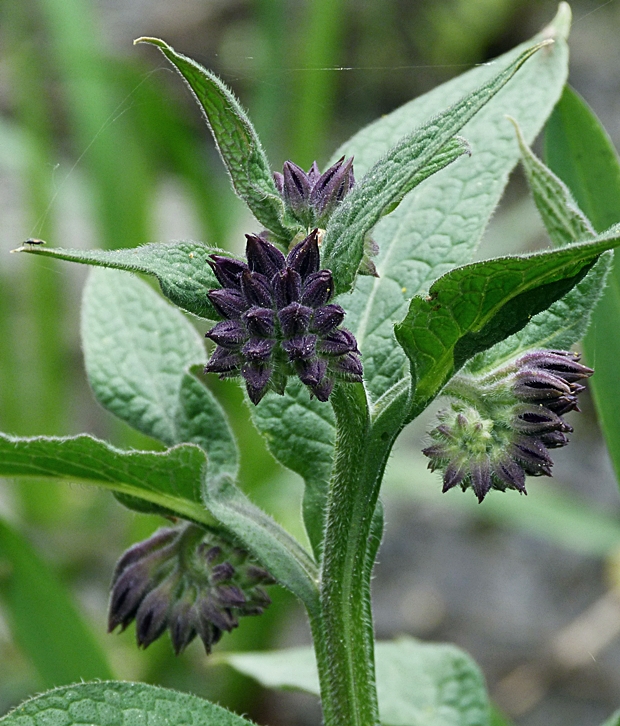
32	241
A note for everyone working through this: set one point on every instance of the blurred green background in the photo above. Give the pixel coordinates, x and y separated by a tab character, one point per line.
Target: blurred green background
102	146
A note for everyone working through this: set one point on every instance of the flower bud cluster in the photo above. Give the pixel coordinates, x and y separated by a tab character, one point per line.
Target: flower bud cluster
312	197
188	581
278	321
500	428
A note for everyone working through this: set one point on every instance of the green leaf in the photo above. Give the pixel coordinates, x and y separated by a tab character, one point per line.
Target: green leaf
43	619
614	720
567	320
236	140
579	150
117	702
438	226
138	351
473	307
300	433
409	163
170	479
417	683
176	481
181	268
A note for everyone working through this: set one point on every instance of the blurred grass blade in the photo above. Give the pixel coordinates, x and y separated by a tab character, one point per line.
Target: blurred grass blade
580	152
43	619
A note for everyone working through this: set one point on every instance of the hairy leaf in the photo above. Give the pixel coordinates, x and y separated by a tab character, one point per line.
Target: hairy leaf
579	150
417	683
236	140
567	320
181	269
473	307
439	225
43	619
117	702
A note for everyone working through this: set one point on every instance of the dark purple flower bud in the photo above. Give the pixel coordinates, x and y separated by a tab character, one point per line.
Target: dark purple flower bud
152	615
279	182
326	319
318	289
230	596
228	334
338	342
255	575
144	549
257	380
181	626
511	474
263	257
300	348
311	372
127	594
222	572
304	257
453	476
561	363
553	439
214	613
349	367
224	362
286	287
256	289
258	349
228	302
537	420
294	319
314	173
533	385
332	186
296	188
532	455
260	322
480	473
227	270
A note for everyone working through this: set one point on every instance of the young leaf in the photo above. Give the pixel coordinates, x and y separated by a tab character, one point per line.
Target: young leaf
43	619
567	320
175	481
236	140
117	702
439	225
473	307
579	150
417	683
181	269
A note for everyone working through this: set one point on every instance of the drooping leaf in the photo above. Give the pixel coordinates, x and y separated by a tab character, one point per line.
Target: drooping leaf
43	620
417	683
236	140
581	153
567	320
118	702
181	269
475	306
439	225
403	167
175	481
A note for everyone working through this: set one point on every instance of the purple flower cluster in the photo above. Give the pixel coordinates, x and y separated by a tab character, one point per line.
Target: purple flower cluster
186	580
310	196
278	321
494	442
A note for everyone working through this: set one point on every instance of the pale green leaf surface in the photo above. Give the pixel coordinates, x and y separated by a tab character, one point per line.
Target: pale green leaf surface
118	703
175	481
181	268
439	225
473	307
236	140
614	720
43	620
396	173
567	320
580	151
418	684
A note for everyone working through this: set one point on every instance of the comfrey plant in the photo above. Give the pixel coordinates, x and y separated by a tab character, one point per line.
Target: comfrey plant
355	306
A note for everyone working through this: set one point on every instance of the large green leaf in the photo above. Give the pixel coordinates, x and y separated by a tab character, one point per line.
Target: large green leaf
176	481
181	269
579	150
138	351
403	167
418	684
614	720
236	140
473	307
439	225
43	619
117	702
567	320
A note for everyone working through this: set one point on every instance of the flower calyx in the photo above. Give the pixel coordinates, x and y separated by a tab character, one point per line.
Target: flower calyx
188	581
311	197
500	427
278	321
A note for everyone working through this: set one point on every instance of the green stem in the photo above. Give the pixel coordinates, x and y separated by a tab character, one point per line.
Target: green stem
344	638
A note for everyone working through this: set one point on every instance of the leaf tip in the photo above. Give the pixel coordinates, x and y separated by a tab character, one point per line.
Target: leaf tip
151	41
559	27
